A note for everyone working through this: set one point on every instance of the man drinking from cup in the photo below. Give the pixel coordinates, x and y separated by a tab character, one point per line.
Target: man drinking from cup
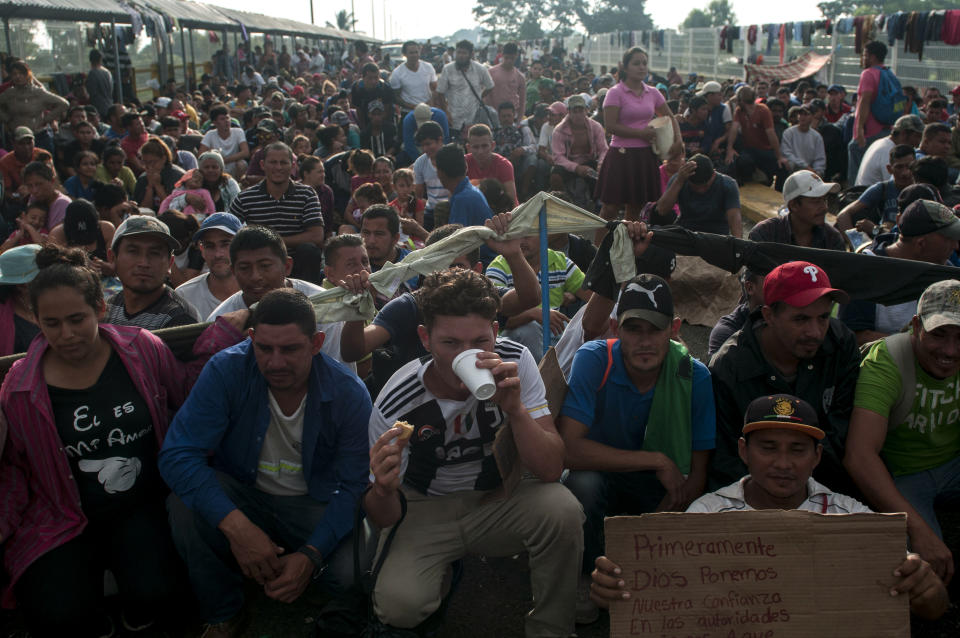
447	473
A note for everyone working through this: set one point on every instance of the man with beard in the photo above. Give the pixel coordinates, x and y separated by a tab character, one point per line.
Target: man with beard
462	85
208	290
790	345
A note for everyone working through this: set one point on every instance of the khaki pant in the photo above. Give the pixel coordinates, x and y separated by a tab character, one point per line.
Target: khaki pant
544	519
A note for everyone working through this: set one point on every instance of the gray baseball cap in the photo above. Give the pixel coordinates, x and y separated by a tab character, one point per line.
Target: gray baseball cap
940	305
143	225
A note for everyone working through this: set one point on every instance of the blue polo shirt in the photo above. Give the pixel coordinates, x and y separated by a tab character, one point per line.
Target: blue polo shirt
617	414
409	131
468	206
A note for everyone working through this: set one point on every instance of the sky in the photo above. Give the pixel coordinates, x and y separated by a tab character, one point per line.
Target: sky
399	19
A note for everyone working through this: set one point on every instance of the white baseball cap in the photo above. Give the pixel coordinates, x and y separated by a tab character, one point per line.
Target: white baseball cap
709	87
804	183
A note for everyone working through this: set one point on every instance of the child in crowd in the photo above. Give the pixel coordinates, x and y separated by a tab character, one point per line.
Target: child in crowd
190	196
82	183
668	169
364	197
31	227
410	208
383	175
361	167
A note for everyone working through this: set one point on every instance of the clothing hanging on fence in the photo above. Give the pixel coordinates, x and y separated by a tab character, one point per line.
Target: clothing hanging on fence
895	27
798	31
771	30
752	34
934	26
845	25
807	33
951	27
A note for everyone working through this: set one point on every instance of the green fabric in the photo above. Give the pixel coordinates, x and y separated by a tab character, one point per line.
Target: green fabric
669	427
562	217
930	435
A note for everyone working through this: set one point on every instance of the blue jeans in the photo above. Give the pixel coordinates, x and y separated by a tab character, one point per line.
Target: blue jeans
288	521
610	494
939	487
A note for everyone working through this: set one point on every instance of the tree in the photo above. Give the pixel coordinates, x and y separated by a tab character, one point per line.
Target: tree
509	19
721	13
614	15
697	18
835	8
346	21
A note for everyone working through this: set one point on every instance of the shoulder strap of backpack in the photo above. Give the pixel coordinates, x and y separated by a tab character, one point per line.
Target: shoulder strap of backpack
901	351
606	372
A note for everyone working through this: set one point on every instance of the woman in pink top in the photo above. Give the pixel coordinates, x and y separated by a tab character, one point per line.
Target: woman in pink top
629	176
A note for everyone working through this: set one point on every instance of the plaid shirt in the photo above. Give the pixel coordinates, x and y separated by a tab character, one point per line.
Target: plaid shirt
40	507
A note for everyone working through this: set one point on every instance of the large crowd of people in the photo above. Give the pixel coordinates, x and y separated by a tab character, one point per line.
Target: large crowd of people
242	459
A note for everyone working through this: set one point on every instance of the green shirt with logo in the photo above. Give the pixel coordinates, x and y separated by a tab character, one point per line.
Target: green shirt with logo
930	435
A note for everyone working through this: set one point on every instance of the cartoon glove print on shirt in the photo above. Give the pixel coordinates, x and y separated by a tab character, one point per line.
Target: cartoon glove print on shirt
116	474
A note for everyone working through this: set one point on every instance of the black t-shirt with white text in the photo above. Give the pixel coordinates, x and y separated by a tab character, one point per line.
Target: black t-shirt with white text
107	433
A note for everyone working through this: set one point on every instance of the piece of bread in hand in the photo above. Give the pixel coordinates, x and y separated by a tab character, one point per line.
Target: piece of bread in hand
406	430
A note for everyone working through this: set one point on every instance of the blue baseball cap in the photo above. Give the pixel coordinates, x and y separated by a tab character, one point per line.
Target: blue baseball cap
227	222
19	265
836	88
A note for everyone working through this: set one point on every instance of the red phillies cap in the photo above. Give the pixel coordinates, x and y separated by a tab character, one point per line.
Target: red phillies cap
799	284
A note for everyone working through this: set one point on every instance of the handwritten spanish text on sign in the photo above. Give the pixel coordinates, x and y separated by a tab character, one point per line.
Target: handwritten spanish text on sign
763	574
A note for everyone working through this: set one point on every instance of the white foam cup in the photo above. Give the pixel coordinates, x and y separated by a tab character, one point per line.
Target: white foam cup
478	380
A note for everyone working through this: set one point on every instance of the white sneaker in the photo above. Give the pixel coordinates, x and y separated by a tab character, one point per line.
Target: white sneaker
587	610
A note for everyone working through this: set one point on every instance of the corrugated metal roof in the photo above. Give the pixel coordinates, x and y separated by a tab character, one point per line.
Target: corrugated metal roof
64	10
192	15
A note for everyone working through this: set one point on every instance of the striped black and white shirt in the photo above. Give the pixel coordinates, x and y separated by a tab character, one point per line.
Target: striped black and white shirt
166	312
451	449
294	213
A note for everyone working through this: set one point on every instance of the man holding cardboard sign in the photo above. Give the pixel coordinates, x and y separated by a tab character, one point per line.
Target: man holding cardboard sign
781	446
638	420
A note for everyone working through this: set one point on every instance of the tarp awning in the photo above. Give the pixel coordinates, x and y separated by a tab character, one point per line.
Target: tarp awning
804	66
92	10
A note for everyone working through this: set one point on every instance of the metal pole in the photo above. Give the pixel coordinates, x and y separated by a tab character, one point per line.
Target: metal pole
116	55
373	20
6	31
193	64
385	36
833	57
544	279
311	13
183	57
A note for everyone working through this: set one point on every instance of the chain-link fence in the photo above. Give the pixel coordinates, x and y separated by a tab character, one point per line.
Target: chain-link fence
698	50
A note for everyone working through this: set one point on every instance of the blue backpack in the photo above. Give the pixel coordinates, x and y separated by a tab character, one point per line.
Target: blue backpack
890	101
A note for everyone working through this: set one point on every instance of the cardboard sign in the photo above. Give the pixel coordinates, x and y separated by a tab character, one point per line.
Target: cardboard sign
758	574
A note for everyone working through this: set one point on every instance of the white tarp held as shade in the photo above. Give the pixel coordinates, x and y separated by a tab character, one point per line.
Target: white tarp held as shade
337	304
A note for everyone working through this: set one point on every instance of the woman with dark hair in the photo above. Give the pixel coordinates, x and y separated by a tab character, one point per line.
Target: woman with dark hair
87	410
629	176
18	326
41	181
222	187
160	176
312	174
28	104
113	168
113	205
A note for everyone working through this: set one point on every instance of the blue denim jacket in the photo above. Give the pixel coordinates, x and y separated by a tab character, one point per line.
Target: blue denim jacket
224	421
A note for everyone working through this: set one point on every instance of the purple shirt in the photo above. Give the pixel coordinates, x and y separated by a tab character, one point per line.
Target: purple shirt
636	111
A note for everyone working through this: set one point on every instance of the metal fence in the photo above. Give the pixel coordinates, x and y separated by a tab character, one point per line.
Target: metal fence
698	50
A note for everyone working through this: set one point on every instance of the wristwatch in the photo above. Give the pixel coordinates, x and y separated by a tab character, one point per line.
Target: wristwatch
318	565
